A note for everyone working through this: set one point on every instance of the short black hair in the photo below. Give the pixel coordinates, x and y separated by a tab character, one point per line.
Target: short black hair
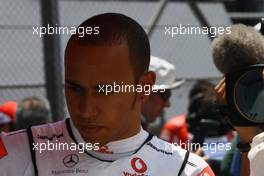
201	86
115	28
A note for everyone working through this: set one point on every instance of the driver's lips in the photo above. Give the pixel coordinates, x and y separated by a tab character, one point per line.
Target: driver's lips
90	129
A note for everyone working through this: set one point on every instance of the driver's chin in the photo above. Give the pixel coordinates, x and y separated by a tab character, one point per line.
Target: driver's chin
95	138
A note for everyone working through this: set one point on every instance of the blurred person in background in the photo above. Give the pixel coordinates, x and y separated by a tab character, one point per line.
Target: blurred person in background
32	111
201	87
208	128
154	106
176	130
4	122
9	109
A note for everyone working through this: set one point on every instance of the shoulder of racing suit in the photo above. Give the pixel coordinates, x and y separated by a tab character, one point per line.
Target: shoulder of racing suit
15	153
174	155
15	158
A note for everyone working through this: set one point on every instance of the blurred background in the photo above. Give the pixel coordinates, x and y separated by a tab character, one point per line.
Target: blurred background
32	65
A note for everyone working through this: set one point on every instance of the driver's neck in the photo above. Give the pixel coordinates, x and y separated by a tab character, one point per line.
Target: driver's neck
118	148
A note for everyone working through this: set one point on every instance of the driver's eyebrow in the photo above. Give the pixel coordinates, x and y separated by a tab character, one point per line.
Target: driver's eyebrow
71	83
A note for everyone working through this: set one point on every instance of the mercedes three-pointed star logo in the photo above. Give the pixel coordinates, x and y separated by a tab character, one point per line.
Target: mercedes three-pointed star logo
70	160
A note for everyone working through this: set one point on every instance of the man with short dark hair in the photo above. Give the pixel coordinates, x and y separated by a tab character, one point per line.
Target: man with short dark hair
104	123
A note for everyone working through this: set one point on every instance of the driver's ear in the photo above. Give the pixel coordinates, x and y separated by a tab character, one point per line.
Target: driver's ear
147	80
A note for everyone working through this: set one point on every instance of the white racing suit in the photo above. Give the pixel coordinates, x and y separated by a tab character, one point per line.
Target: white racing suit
19	156
256	155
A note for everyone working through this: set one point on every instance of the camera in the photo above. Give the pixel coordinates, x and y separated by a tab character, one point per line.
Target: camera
245	96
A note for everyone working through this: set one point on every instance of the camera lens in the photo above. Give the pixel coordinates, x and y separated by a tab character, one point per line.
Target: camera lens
249	95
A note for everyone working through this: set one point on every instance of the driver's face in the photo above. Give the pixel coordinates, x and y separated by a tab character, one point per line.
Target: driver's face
99	117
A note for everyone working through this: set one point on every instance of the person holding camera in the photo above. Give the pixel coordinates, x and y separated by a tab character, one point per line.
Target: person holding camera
240	93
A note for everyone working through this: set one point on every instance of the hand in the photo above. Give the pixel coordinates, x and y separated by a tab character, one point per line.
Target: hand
220	92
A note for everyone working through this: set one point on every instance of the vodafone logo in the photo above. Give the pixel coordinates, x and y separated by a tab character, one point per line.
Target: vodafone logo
138	165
